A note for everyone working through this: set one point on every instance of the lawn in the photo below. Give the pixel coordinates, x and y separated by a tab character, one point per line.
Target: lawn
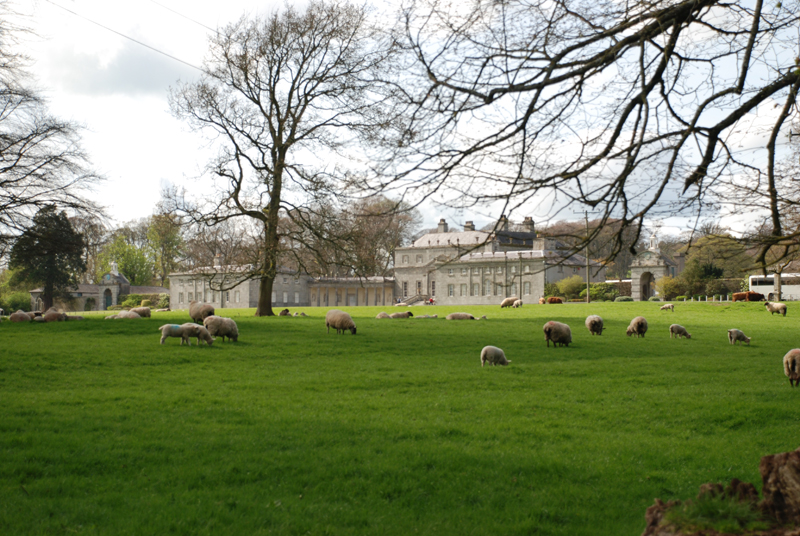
396	430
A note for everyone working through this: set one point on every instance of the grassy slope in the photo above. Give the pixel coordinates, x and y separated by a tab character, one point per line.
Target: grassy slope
396	430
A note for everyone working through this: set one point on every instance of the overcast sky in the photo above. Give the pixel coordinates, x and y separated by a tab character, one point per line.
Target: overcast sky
118	90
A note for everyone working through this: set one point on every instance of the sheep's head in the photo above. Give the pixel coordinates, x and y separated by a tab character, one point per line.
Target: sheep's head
629	331
353	330
688	335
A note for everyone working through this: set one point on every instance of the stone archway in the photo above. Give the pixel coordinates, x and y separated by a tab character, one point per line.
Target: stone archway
646	286
107	299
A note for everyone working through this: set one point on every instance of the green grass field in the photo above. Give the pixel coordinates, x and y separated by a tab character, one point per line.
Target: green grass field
396	430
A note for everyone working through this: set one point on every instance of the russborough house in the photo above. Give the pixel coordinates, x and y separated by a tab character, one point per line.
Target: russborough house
472	267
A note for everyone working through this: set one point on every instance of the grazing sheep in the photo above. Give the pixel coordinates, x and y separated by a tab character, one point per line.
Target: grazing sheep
127	314
558	333
494	356
735	335
164	310
679	332
285	312
508	302
427	316
460	316
638	327
199	311
594	324
340	321
303	314
776	307
669	306
483	318
144	312
20	316
111	317
542	301
383	315
517	304
219	326
553	299
791	366
39	319
404	314
185	331
53	316
32	315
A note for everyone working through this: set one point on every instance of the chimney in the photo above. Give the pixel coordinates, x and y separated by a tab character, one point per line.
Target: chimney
469	226
218	260
503	223
442	226
528	225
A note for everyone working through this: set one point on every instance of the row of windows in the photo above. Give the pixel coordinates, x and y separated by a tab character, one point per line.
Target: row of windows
210	297
487	289
285	297
499	270
182	282
420	259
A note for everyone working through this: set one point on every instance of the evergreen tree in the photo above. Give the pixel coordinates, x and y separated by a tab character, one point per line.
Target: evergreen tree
50	254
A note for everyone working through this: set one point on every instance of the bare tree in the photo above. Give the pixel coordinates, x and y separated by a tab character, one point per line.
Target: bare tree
41	160
285	96
633	109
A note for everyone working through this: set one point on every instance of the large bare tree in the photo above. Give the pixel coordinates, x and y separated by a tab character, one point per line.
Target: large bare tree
41	159
632	110
285	96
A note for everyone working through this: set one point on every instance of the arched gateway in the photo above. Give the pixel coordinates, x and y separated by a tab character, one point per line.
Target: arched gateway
648	267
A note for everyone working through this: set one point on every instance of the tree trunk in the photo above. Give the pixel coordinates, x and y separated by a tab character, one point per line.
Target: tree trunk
265	296
47	296
777	287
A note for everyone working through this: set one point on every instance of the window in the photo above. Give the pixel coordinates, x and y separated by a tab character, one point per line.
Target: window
208	296
236	297
274	296
296	281
405	288
296	297
180	282
450	272
527	269
560	269
419	259
575	270
451	291
526	287
215	296
405	259
487	287
513	269
285	280
499	290
476	270
285	297
476	289
180	297
500	270
433	288
513	289
488	270
191	296
464	290
463	271
419	287
228	296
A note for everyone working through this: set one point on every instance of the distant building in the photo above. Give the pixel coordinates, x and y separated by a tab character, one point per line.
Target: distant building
99	297
649	266
472	267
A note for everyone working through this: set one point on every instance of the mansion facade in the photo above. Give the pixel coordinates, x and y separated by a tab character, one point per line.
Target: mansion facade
472	267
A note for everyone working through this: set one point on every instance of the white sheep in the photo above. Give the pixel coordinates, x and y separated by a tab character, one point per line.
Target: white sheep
494	356
52	315
638	327
508	302
127	314
20	316
776	307
426	316
460	316
679	332
517	304
198	311
735	335
219	326
594	324
144	312
667	306
382	315
558	333
404	314
791	366
340	321
185	331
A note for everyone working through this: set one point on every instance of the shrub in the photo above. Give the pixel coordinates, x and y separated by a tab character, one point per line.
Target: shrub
90	304
146	303
600	291
699	297
550	289
669	287
679	298
623	299
14	301
115	308
163	301
571	286
653	298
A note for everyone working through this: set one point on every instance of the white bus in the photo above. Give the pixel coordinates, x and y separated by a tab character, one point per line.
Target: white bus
790	286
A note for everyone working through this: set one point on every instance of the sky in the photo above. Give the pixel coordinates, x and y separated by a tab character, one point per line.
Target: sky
118	90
